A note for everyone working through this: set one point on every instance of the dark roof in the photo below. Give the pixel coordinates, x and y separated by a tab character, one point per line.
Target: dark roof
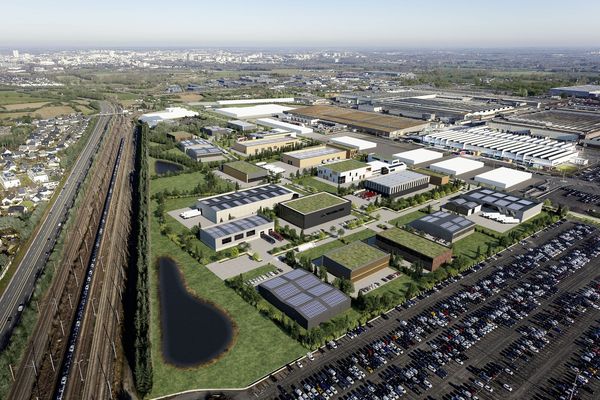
500	199
242	197
446	221
237	225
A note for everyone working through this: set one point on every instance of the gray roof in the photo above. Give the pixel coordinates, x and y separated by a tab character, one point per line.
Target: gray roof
237	225
449	222
243	197
304	292
499	199
310	153
396	178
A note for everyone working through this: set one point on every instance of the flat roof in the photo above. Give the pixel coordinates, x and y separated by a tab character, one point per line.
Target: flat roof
418	156
236	225
257	111
305	293
361	119
274	123
499	199
311	152
457	166
355	255
463	202
446	221
504	177
246	167
396	178
580	88
314	202
267	140
424	246
242	197
345	165
244	124
356	143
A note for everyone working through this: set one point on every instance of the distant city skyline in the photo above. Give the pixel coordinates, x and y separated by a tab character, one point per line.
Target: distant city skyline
267	23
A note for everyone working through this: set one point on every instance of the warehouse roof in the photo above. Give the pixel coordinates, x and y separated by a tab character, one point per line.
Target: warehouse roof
355	143
311	152
243	197
237	225
267	140
457	166
314	202
253	111
355	255
243	124
503	177
344	166
245	167
396	178
305	293
418	156
449	222
424	246
499	199
275	123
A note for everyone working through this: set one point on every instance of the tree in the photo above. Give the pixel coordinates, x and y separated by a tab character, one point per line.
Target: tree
290	258
234	252
196	230
478	253
341	232
345	285
323	273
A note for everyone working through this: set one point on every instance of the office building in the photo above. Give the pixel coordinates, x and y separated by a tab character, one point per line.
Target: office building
313	156
355	261
231	233
344	171
244	171
315	209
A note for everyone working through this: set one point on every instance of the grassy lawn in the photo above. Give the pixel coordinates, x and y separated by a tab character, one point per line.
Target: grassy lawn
320	186
180	202
295	189
14	97
400	284
405	219
264	269
468	246
318	251
414	241
315	202
182	182
356	254
260	346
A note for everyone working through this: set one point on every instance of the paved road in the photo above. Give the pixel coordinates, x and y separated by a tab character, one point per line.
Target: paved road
22	283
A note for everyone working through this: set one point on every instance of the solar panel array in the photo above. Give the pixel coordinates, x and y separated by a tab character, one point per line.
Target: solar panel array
304	292
235	226
243	197
499	199
442	219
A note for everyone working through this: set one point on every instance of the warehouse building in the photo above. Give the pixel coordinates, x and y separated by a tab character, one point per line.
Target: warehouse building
242	203
274	123
355	261
462	206
369	122
217	131
435	178
256	146
414	248
315	209
244	171
180	135
304	298
344	171
457	166
503	178
506	204
444	225
581	91
171	113
418	156
519	148
255	101
398	183
312	156
357	144
253	112
201	150
241	126
231	233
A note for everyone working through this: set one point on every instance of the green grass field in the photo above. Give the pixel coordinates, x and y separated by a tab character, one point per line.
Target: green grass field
183	182
400	284
318	251
356	254
309	181
13	97
414	241
405	219
263	269
468	246
315	202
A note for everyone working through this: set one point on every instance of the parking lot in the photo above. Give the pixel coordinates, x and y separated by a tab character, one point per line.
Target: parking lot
498	331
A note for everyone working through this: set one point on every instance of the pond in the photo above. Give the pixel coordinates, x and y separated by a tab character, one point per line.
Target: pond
193	331
162	167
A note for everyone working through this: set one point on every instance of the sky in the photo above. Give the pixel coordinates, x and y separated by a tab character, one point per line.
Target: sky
300	23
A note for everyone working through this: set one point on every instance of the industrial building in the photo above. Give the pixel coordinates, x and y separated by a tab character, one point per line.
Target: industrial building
216	131
312	156
201	150
344	171
418	156
519	148
462	206
382	168
355	261
503	178
244	171
435	178
315	209
457	166
304	298
255	101
256	146
357	144
242	126
560	124
180	135
398	183
444	225
414	248
171	113
231	233
506	204
253	112
274	123
242	203
369	122
581	91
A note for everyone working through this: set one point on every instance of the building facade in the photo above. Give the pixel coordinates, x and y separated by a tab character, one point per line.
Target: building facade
312	210
345	171
231	233
313	156
398	183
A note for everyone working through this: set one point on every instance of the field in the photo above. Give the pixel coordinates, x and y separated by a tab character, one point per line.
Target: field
468	246
318	251
309	204
413	241
264	269
309	181
356	255
13	97
405	219
180	182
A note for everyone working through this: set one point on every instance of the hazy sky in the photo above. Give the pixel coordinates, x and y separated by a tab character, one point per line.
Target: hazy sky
282	23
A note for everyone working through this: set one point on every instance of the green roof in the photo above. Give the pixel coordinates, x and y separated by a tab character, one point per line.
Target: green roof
246	167
346	165
314	202
429	172
414	241
355	255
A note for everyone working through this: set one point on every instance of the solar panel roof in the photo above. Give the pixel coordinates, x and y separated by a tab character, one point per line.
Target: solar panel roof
442	219
499	199
234	226
242	197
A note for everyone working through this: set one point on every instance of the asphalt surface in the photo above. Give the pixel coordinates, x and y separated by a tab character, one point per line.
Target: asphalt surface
22	283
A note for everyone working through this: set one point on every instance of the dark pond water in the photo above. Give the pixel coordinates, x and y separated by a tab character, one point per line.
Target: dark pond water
162	167
193	331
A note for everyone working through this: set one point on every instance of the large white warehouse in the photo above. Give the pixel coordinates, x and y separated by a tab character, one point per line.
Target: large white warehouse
524	149
358	144
274	123
456	166
418	156
255	101
503	178
152	119
258	111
